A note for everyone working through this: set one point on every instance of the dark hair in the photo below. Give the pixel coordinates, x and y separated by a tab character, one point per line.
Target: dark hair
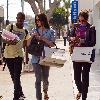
21	14
84	14
43	18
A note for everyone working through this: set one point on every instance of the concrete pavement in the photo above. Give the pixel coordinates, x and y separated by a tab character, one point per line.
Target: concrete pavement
60	87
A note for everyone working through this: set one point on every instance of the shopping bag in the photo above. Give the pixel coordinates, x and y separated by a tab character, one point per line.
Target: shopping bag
82	54
54	57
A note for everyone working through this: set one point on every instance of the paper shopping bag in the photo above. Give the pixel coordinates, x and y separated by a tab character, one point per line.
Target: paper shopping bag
54	57
82	54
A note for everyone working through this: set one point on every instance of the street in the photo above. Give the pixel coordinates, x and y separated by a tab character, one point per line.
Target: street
60	86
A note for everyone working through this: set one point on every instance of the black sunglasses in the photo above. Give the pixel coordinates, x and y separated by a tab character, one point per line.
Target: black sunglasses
38	20
82	20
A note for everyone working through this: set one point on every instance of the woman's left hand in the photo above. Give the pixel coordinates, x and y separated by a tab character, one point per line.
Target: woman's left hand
82	40
38	37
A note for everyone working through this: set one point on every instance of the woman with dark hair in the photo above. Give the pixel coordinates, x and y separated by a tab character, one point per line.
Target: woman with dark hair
43	33
83	35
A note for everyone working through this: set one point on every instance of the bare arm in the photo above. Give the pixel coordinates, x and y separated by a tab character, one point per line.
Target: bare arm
49	43
29	40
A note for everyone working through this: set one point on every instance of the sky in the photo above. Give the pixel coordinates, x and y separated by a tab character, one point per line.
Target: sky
15	7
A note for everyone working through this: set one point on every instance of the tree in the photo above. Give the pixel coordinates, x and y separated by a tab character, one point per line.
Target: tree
58	19
67	7
40	8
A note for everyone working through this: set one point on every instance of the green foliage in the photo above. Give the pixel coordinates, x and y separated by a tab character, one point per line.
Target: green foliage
67	6
60	11
61	14
59	18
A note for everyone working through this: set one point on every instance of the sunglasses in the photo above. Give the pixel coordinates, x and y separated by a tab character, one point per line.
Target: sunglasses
82	20
37	20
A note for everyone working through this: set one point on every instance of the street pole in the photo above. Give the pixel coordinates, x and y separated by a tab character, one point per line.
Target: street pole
7	9
22	5
7	21
44	5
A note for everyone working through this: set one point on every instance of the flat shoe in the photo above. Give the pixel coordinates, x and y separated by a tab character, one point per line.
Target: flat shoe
46	97
78	96
1	97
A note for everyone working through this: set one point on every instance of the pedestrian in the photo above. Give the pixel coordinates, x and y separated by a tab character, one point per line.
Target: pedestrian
14	55
44	34
64	37
87	36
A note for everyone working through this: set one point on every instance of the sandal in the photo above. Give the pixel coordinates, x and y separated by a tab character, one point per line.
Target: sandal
1	97
78	96
46	96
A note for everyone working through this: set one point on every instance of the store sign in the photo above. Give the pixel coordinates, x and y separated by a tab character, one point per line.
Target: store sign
74	11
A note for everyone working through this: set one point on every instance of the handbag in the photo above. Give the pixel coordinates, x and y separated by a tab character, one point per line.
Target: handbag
83	54
36	47
54	57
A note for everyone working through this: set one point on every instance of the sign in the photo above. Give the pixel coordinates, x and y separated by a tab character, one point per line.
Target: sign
74	11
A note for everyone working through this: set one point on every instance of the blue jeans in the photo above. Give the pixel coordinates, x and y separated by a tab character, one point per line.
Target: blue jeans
41	74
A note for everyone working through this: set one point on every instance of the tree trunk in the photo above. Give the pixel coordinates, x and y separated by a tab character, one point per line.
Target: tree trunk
40	7
40	4
59	33
33	6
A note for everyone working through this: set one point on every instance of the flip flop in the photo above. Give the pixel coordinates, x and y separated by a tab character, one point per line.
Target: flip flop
78	96
1	97
46	97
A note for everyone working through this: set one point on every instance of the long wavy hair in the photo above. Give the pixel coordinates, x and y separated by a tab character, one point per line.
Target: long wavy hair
43	19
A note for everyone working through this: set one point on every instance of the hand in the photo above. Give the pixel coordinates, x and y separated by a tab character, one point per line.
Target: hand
34	34
39	38
12	42
82	40
72	38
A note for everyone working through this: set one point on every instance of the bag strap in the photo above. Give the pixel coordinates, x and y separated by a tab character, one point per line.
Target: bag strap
55	45
11	28
26	32
37	31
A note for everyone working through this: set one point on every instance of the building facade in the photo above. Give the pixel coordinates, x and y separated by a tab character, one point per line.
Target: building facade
1	17
94	18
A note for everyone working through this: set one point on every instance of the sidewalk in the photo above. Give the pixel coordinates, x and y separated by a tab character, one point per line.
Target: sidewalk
60	86
94	86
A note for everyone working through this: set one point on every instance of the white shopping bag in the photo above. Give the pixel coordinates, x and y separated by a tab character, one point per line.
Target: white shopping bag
54	57
82	54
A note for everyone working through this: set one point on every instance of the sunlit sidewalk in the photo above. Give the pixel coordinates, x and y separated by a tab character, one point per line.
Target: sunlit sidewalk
60	86
61	81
